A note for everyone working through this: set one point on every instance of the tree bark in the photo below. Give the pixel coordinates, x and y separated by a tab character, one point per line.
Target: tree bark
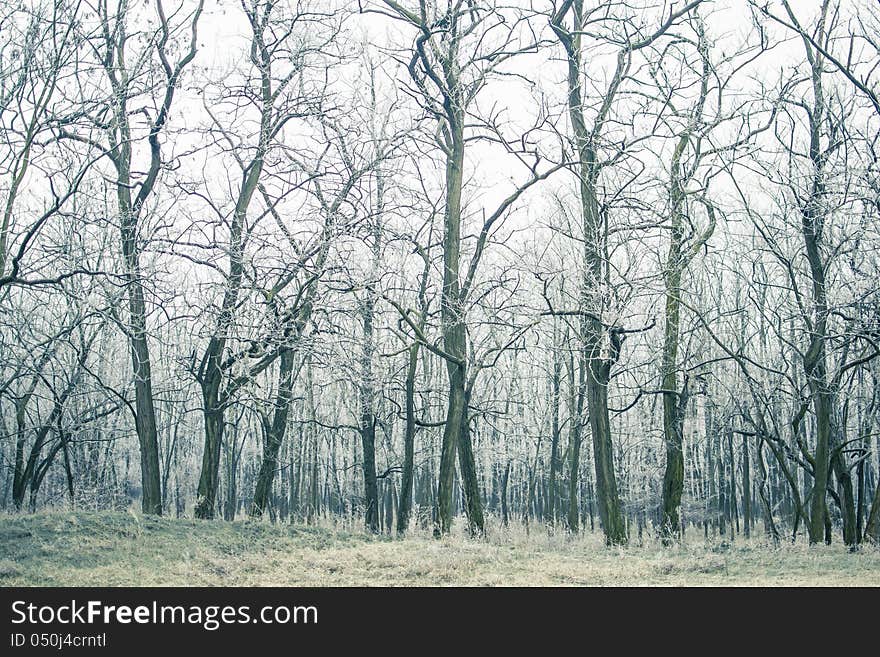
552	494
592	329
406	479
574	443
872	526
505	513
274	431
747	488
455	434
610	512
136	330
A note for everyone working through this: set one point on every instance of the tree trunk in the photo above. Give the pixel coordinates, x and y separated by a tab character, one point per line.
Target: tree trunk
822	405
505	514
592	329
371	488
145	413
674	407
368	420
610	512
747	488
454	337
769	524
468	467
214	418
552	495
406	479
145	419
843	475
731	497
274	432
872	526
574	445
814	360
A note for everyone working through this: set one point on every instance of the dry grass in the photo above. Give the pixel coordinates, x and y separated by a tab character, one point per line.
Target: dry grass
119	549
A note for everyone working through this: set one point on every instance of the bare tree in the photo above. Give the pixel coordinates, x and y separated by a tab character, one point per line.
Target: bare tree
452	58
602	343
131	90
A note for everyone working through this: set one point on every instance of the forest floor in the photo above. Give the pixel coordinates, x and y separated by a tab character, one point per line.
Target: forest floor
126	549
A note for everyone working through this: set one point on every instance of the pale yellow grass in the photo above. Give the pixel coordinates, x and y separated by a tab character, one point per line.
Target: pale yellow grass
119	549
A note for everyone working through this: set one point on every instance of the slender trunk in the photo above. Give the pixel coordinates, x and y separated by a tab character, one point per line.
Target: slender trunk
872	526
19	475
814	360
860	486
592	329
610	512
468	467
456	437
406	479
574	446
68	472
145	412
673	406
843	474
371	488
390	497
368	420
214	420
505	514
769	524
145	418
680	251
747	488
231	503
552	495
731	497
274	432
822	406
454	337
721	485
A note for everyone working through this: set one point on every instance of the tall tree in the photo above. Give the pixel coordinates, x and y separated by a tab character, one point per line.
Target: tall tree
452	58
124	72
602	342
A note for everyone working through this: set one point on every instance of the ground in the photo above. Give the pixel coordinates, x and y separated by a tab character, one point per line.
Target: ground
127	549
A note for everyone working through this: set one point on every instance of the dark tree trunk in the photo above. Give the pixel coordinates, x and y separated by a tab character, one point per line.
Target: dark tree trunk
592	277
451	439
610	512
674	406
214	417
574	443
552	494
467	465
731	497
505	514
747	488
454	336
371	488
872	526
406	479
843	474
136	330
769	524
274	432
368	419
145	419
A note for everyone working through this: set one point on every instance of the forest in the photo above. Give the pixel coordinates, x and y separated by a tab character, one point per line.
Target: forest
416	267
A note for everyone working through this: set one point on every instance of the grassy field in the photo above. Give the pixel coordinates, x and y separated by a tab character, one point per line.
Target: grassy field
125	549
